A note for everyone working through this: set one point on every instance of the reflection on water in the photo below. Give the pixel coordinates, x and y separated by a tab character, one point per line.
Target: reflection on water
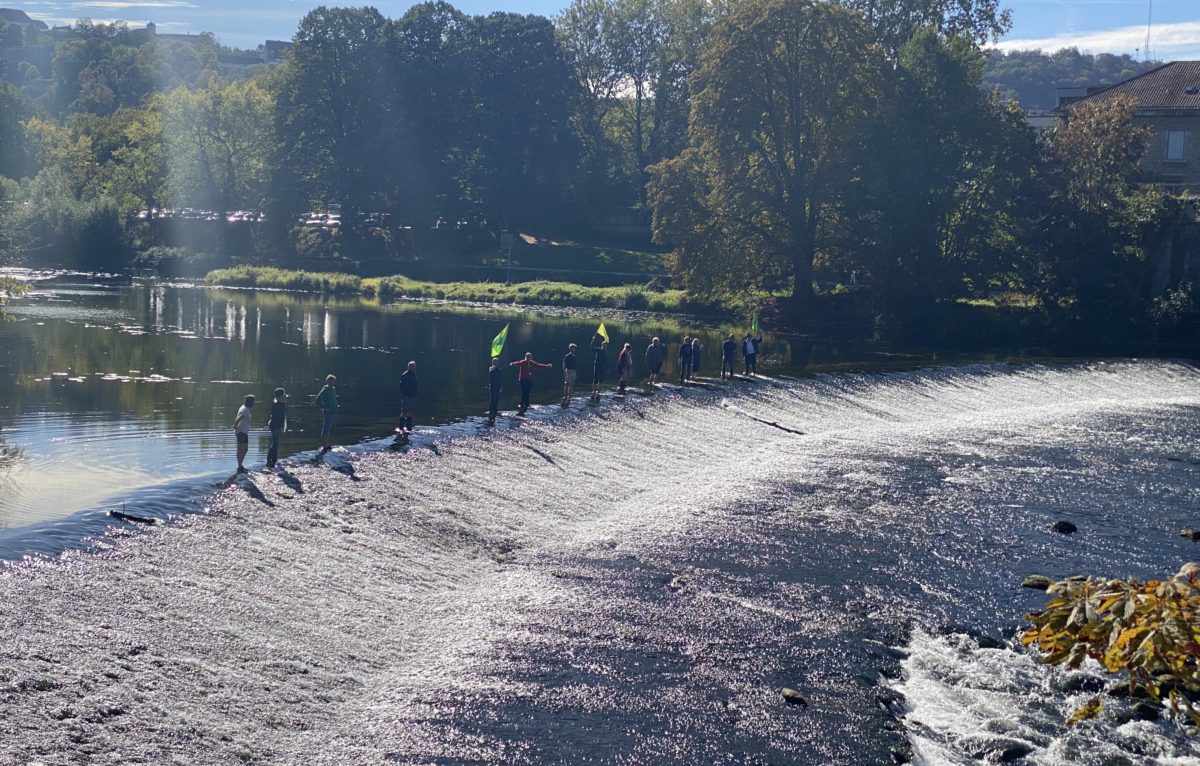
126	394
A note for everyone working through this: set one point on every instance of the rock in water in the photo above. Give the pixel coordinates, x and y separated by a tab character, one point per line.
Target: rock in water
793	697
1191	534
1064	527
1037	582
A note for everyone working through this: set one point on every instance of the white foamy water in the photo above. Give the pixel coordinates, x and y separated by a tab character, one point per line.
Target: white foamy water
631	584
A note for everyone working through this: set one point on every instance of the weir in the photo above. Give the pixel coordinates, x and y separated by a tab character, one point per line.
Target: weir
633	584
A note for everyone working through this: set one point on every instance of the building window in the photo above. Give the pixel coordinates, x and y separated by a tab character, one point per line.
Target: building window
1175	145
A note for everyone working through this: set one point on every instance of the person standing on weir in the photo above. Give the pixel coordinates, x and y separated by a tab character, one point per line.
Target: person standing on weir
494	387
656	354
599	363
685	360
241	428
750	351
695	356
408	397
624	366
277	424
728	354
570	374
327	400
525	375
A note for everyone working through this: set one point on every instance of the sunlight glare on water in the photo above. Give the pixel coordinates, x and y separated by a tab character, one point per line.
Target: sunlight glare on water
627	584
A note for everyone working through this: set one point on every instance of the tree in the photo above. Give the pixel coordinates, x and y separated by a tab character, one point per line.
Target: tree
896	21
428	69
332	117
15	109
780	102
946	166
137	175
219	142
1097	149
524	146
1095	219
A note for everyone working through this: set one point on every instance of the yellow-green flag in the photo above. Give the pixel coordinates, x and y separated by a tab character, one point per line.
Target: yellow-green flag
754	324
602	332
498	342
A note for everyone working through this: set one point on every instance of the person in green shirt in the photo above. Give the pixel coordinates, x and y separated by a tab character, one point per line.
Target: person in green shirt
328	402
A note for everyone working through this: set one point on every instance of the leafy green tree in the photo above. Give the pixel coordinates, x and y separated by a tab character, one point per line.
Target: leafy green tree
429	72
946	165
219	143
1095	221
780	104
331	117
136	176
896	21
15	109
524	145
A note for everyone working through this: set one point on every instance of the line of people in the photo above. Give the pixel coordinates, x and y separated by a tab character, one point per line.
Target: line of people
690	351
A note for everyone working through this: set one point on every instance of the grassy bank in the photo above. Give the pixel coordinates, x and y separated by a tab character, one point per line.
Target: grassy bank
631	297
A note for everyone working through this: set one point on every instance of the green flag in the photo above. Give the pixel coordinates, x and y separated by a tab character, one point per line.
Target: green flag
754	324
498	342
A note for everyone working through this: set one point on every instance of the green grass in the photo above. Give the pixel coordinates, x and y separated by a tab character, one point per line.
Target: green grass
283	279
632	297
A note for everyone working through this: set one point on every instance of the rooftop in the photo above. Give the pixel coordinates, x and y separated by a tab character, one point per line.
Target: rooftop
1169	87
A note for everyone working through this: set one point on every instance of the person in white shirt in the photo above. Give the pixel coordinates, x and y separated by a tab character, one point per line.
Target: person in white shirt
241	428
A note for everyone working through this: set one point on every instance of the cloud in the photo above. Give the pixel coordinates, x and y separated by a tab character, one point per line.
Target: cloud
116	5
1180	40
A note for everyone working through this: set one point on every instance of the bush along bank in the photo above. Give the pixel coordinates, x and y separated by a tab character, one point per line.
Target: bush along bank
628	297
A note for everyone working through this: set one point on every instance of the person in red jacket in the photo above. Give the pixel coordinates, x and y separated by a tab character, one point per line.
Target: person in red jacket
525	376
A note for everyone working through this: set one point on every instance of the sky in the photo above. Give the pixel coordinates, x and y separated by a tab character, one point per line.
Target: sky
1093	26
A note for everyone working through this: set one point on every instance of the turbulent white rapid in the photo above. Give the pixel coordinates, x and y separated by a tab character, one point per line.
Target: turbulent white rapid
630	584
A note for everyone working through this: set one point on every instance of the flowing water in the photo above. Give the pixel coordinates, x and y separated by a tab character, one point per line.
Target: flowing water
629	584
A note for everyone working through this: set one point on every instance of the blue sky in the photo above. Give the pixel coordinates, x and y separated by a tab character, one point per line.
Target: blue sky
1116	26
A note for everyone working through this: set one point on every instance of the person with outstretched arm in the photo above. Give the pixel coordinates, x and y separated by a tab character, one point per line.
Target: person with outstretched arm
408	397
525	376
494	388
241	428
327	401
750	351
570	374
277	424
728	354
624	366
599	363
656	354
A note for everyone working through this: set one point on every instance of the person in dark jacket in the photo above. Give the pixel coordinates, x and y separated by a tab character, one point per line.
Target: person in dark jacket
495	380
327	401
695	357
570	374
728	354
656	354
685	360
750	351
599	363
277	424
624	366
408	397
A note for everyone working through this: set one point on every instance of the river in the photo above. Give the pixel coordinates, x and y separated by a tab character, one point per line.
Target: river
631	583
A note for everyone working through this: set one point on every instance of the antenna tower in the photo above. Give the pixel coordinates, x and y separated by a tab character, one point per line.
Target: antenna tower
1149	22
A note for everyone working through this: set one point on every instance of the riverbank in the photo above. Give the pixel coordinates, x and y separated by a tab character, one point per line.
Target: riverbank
546	293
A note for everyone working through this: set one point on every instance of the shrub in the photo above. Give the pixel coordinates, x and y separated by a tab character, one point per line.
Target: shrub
1151	630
